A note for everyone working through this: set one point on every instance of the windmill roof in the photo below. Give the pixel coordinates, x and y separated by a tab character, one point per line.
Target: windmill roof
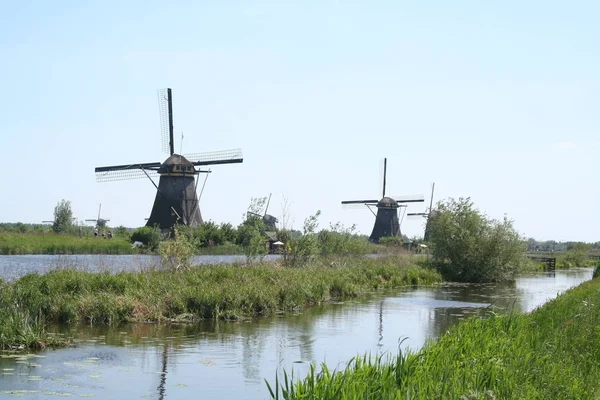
173	161
387	202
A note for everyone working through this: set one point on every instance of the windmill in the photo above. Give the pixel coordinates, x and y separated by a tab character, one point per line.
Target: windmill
386	219
176	200
100	222
269	220
426	214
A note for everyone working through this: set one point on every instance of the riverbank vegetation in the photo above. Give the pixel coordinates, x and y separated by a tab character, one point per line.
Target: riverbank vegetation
61	244
551	353
470	247
226	292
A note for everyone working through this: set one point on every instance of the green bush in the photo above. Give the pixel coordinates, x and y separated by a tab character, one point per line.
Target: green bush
470	247
148	235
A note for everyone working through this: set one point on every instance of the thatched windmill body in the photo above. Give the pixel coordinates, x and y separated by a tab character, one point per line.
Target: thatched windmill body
386	219
176	201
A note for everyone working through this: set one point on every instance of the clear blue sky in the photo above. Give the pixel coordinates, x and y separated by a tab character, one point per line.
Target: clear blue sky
497	101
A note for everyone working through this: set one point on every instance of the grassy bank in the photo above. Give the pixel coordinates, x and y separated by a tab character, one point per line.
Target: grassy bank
552	353
62	244
207	292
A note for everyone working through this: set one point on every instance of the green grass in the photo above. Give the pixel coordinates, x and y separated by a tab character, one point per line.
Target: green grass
61	244
552	353
226	292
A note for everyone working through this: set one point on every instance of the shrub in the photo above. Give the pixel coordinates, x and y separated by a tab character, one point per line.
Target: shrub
176	252
469	247
148	235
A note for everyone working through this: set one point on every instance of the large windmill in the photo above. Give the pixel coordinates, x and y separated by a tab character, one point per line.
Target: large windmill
100	222
176	200
386	219
425	214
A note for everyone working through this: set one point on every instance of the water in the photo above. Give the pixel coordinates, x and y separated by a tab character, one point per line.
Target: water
14	267
215	360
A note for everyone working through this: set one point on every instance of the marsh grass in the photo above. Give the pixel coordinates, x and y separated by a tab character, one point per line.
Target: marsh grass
222	292
552	353
11	244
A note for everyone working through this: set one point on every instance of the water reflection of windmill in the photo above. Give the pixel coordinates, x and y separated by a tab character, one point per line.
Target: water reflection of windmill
99	222
386	219
176	200
425	214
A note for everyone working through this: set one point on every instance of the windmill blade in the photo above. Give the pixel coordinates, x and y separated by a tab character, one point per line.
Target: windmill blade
124	172
99	209
414	217
122	175
381	176
360	202
417	214
412	198
91	220
165	109
354	206
216	157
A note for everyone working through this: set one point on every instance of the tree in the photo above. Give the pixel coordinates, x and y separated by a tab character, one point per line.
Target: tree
63	217
469	247
250	234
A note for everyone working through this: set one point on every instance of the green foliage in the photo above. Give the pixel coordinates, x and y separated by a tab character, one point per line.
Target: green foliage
576	256
206	292
148	235
63	217
51	243
251	233
342	241
548	354
177	251
302	248
391	241
596	272
469	247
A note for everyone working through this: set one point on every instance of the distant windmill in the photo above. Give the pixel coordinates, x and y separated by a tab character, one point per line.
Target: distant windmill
386	219
426	214
100	222
269	220
176	200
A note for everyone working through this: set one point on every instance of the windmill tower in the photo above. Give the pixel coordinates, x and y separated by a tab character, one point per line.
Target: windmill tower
425	214
100	222
176	201
386	219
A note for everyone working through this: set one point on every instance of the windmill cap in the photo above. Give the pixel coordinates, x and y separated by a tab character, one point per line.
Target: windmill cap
387	202
176	163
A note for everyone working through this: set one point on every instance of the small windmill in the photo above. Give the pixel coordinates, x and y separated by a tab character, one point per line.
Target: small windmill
425	214
269	220
176	200
386	219
99	222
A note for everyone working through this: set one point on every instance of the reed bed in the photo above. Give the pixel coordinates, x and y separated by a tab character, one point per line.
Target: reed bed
225	292
552	353
13	244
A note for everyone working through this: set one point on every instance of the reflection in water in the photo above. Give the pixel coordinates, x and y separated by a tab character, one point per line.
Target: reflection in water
225	359
163	375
